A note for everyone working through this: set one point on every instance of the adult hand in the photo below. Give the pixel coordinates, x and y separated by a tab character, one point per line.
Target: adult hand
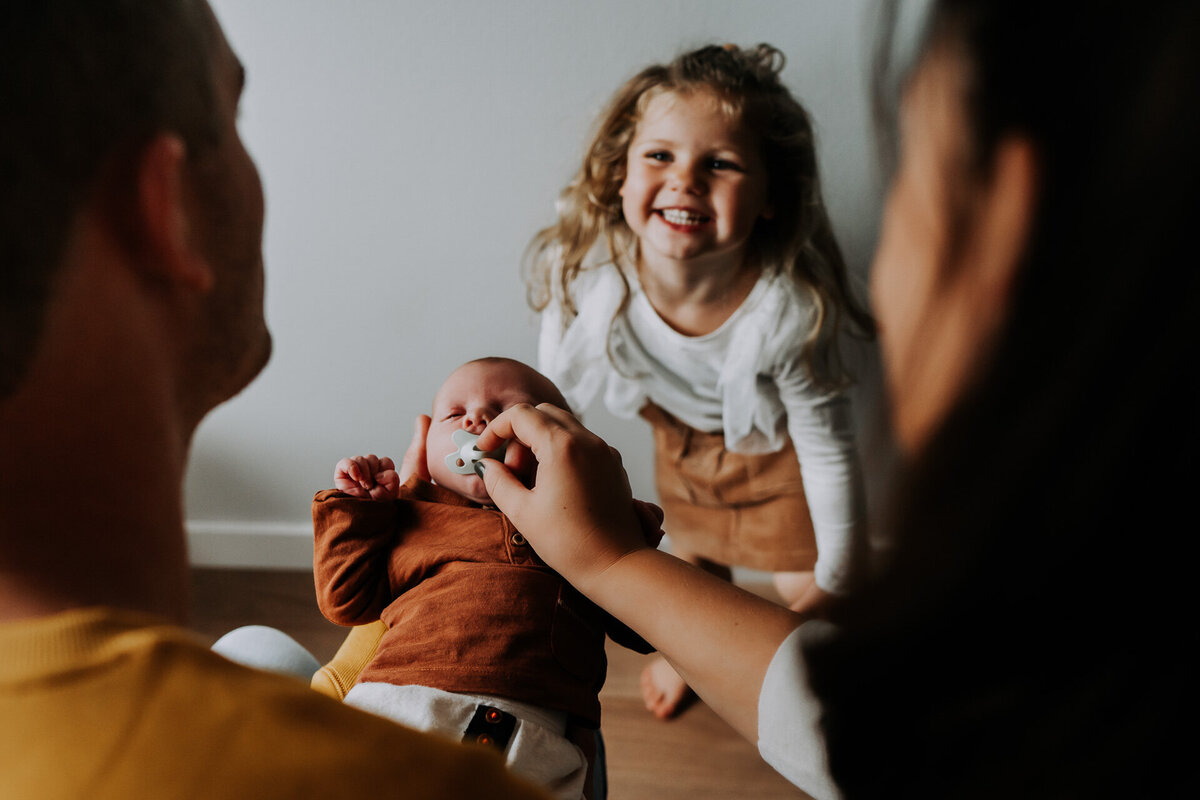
579	514
580	518
520	462
517	457
368	477
415	458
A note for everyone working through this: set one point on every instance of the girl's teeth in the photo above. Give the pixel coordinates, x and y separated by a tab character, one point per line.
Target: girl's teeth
677	216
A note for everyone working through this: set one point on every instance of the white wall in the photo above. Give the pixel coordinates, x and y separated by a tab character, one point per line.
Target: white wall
409	150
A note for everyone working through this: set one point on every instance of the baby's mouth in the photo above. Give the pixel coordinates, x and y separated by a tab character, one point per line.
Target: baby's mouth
682	216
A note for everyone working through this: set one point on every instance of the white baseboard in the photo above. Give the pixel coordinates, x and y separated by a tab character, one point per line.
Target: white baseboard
250	545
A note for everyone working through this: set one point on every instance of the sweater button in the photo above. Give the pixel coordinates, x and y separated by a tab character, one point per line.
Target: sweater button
517	539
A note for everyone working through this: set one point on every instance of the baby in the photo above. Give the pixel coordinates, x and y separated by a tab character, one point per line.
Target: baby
484	642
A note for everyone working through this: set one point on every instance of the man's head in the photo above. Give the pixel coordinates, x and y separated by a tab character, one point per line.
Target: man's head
98	94
131	259
469	399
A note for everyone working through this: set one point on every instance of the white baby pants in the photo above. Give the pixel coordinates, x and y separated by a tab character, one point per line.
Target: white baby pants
537	750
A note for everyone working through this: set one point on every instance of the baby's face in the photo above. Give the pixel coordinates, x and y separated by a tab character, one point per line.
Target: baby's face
471	397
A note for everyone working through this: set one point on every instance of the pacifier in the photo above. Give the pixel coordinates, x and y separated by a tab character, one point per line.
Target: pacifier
466	455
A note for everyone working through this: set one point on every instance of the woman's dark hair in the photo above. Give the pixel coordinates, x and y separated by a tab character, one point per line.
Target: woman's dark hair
1026	635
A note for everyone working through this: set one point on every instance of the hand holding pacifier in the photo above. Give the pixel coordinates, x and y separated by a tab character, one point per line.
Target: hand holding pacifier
464	459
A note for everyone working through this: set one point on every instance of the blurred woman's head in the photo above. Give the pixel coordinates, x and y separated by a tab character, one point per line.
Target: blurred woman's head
1035	287
1067	138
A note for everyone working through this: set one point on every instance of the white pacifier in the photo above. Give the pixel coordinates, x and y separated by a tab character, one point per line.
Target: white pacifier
464	459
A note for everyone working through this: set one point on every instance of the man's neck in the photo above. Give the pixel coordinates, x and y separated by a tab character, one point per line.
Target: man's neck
93	458
91	519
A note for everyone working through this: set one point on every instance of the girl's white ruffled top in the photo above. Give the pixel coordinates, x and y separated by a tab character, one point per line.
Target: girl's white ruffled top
748	378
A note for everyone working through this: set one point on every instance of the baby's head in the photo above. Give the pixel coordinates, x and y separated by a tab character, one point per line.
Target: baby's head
471	397
744	87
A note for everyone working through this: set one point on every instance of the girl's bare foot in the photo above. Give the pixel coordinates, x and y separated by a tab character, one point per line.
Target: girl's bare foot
664	692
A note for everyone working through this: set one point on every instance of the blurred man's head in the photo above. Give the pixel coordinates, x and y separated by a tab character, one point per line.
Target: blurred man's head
91	90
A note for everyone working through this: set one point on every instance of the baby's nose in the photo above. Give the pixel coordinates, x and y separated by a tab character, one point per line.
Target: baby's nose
474	422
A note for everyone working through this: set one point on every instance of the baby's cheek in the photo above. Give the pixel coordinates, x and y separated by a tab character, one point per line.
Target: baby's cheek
437	447
437	469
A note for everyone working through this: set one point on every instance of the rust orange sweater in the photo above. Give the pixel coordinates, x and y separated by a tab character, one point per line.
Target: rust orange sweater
468	605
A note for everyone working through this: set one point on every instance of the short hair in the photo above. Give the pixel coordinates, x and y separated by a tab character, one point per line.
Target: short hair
84	83
552	394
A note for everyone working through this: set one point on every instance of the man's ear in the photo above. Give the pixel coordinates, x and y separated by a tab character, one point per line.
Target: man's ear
164	214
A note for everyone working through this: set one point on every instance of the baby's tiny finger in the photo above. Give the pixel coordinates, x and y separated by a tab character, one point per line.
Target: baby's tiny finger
363	472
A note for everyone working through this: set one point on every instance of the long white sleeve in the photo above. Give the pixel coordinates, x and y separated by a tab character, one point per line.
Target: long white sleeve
789	735
743	378
576	357
549	337
821	428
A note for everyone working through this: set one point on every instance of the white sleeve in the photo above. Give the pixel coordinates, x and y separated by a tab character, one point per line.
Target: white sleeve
789	735
821	428
549	337
575	356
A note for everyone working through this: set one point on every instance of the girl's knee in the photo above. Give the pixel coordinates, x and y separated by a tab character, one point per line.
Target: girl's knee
793	585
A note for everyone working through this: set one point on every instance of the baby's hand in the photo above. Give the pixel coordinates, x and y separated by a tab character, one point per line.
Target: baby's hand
368	477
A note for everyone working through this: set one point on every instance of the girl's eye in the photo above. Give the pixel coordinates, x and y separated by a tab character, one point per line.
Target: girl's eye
724	164
659	155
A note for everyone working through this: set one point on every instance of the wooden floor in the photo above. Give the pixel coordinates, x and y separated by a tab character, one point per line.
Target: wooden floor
694	756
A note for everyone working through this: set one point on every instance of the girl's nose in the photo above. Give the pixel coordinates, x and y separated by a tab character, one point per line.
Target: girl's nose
685	177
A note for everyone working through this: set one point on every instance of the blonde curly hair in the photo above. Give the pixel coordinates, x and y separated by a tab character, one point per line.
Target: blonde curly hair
797	240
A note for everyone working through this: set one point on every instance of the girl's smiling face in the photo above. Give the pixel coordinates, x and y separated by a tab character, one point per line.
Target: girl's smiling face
694	181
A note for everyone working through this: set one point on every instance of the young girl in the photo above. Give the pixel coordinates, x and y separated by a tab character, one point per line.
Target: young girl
693	277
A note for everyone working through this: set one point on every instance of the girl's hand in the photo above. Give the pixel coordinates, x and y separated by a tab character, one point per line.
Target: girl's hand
367	477
579	514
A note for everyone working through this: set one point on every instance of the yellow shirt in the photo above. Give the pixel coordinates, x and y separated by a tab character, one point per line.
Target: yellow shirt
97	703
